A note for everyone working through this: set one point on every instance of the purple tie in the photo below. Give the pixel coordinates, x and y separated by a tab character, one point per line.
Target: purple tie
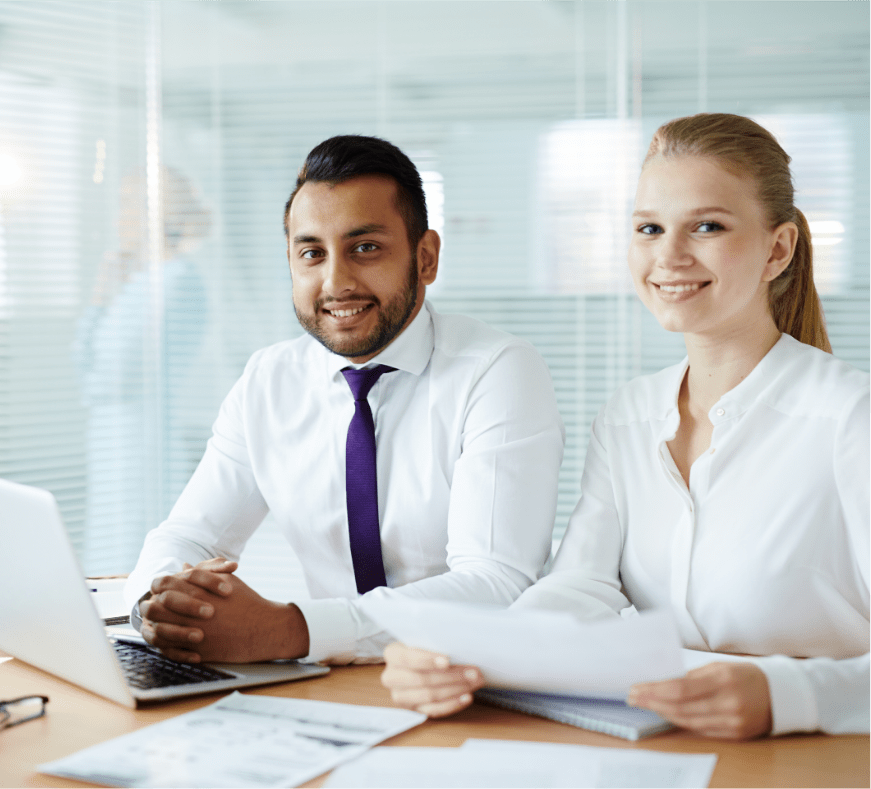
361	482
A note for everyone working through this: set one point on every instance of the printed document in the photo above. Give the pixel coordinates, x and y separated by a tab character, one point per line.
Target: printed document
241	740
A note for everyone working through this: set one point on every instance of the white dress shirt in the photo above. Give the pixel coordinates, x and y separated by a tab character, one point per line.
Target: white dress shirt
766	553
469	446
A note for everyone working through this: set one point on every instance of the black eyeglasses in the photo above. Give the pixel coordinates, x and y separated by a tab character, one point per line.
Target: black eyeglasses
21	710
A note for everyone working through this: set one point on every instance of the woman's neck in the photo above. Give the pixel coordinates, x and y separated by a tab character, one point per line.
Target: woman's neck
719	364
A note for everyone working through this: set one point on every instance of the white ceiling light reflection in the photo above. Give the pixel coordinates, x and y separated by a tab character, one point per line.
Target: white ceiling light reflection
10	171
826	233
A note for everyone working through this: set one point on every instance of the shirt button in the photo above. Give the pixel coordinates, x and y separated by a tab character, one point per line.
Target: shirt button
721	411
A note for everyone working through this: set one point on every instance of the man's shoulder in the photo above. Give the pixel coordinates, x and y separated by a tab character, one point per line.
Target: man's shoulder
456	335
298	352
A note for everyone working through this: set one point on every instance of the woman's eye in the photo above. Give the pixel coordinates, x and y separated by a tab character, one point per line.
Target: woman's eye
649	230
710	227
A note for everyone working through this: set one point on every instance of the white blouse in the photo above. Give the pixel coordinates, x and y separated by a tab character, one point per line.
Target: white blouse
766	553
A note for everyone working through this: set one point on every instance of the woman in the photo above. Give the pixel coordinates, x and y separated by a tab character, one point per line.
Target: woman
733	487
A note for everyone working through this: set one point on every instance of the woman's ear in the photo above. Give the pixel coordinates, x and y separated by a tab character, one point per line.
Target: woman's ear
784	239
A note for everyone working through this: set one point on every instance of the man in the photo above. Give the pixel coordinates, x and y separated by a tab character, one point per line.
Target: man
458	500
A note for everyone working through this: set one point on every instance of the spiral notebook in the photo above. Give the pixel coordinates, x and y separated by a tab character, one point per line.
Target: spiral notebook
602	715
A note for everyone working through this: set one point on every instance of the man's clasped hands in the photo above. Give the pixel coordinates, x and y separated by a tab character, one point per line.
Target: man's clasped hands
208	613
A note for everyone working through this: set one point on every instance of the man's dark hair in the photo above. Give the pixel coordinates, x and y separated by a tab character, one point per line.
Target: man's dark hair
350	155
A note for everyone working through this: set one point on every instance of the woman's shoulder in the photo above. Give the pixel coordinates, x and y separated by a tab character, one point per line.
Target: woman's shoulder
645	398
807	379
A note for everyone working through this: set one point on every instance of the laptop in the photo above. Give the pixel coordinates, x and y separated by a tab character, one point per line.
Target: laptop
48	619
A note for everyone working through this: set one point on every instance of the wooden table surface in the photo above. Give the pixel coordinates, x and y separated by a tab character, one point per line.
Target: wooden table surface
77	719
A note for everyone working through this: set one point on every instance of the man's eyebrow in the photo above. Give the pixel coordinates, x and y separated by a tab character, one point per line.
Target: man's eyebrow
363	230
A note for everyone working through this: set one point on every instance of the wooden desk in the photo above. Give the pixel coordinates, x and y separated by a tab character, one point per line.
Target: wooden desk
77	719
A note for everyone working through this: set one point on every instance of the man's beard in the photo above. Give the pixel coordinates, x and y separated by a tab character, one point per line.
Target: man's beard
391	320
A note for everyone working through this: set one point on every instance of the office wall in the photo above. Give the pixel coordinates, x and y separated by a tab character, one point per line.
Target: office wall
529	121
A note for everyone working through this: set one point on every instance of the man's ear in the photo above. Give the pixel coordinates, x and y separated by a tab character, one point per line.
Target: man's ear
428	249
785	238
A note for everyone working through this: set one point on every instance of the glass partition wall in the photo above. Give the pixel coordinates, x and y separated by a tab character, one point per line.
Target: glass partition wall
147	150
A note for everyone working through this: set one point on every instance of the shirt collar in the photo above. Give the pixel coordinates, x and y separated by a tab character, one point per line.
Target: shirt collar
765	374
410	351
738	399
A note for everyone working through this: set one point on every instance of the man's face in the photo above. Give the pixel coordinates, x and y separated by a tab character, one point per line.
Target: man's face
356	281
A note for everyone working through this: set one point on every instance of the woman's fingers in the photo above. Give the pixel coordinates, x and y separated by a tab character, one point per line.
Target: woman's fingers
401	656
727	700
427	682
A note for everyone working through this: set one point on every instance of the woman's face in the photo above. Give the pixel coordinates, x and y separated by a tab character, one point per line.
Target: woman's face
701	254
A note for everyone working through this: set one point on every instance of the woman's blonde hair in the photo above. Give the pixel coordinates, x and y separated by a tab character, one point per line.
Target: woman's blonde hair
744	147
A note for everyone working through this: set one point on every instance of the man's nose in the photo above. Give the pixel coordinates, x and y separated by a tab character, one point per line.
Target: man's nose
339	278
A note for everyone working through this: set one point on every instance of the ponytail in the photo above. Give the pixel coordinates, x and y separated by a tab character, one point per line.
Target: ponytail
795	304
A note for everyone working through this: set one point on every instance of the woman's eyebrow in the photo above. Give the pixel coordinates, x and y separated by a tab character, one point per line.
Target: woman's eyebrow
711	209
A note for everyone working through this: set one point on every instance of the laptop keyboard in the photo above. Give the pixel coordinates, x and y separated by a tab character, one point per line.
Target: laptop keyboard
144	668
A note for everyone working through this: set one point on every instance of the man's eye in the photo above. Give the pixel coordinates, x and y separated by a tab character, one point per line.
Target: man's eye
649	229
365	247
310	254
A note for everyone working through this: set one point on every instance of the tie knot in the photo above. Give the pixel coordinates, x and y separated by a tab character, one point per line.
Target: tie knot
361	381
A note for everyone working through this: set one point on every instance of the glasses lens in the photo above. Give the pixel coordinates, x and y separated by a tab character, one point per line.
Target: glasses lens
22	710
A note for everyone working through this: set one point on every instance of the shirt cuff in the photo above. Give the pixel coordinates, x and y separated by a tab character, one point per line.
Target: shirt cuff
332	630
793	703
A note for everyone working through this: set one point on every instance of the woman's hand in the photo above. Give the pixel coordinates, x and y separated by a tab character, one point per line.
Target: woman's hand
726	700
427	682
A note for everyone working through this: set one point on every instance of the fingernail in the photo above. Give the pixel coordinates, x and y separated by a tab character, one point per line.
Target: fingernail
225	588
195	636
466	698
442	662
206	610
632	699
471	675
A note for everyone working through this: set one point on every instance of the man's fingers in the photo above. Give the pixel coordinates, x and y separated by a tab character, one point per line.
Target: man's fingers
164	634
213	581
217	565
172	650
180	655
174	606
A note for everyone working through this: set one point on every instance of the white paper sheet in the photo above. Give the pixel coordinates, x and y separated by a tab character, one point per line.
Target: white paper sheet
108	596
540	650
510	764
241	740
